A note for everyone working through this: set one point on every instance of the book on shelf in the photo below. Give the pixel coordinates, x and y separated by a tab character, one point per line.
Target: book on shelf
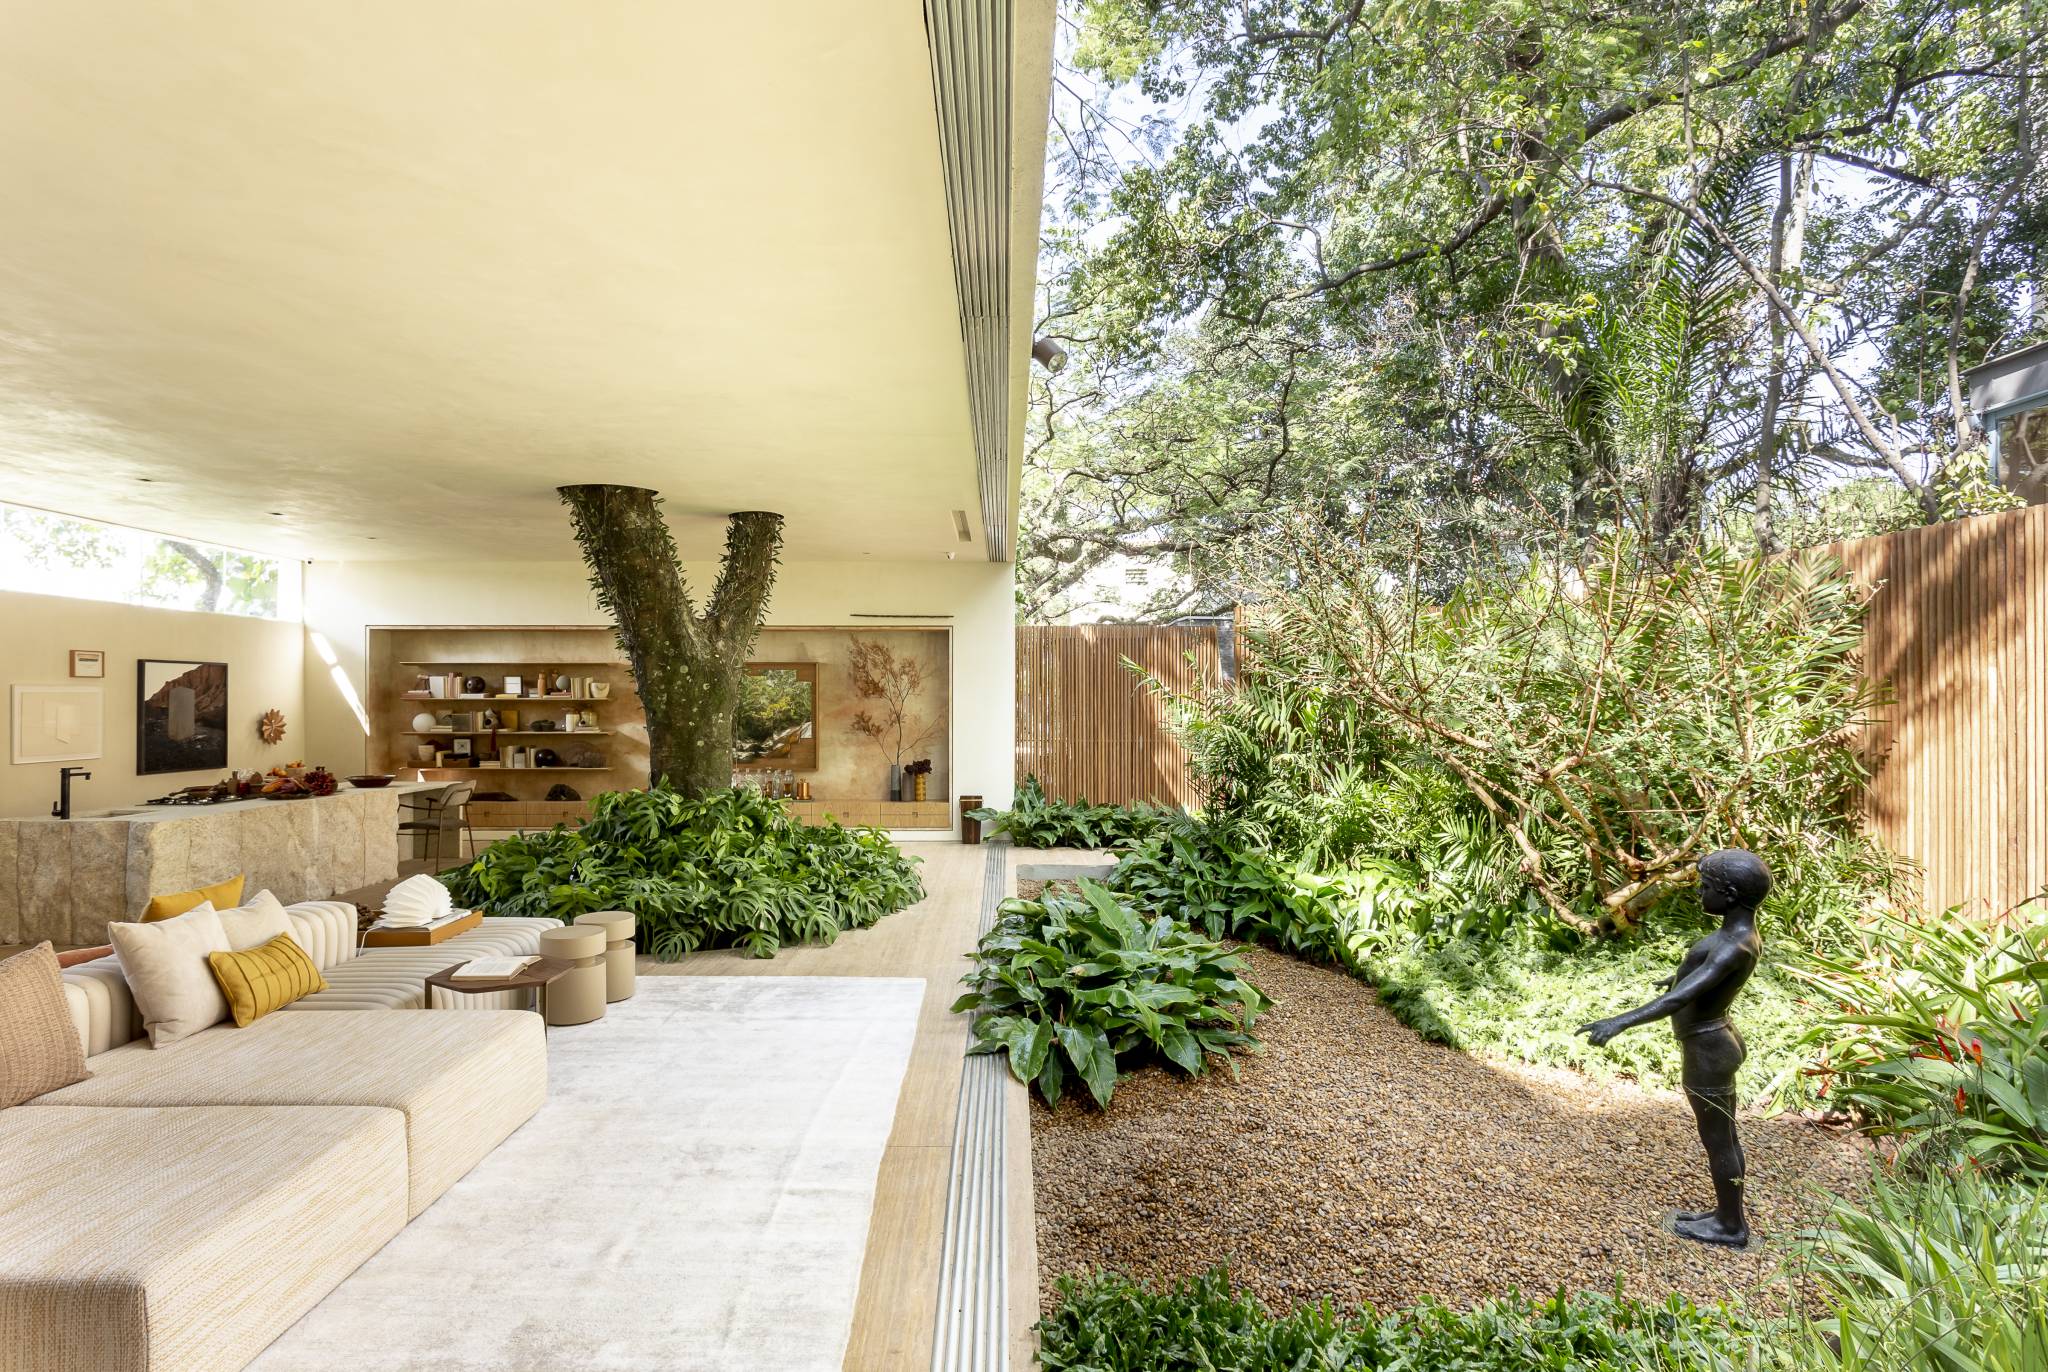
492	969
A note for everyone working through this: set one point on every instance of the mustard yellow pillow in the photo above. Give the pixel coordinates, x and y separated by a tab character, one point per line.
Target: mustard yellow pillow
264	978
225	895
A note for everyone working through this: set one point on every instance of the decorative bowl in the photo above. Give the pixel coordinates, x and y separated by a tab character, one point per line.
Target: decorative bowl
370	783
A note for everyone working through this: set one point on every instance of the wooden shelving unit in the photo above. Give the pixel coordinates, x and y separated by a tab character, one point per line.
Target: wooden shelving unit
463	662
397	656
507	733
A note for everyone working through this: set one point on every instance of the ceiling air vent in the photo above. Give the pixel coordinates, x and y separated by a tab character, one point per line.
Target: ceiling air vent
970	46
960	526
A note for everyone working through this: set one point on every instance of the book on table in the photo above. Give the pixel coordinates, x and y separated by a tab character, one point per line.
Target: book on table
492	969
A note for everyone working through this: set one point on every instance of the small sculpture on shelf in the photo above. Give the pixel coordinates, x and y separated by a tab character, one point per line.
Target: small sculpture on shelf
1733	882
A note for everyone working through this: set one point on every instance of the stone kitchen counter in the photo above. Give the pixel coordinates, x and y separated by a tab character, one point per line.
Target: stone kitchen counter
66	879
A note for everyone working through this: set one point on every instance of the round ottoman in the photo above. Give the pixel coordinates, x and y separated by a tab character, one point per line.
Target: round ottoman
576	996
618	950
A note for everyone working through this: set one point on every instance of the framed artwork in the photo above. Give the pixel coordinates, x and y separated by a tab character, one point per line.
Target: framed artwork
88	662
58	723
776	722
181	716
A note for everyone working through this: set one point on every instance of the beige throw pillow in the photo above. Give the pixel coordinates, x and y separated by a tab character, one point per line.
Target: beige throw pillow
165	963
253	923
39	1046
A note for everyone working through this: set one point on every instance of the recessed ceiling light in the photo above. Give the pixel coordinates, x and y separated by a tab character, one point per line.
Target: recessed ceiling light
278	513
145	478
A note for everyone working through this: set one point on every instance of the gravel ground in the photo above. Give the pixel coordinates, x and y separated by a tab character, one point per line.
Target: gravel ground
1354	1161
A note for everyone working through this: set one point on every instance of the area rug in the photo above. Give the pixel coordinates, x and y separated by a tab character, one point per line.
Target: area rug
694	1194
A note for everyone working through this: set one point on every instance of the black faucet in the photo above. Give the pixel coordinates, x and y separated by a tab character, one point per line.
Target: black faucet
61	808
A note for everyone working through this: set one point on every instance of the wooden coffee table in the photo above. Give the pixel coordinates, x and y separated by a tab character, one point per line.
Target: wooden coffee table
536	978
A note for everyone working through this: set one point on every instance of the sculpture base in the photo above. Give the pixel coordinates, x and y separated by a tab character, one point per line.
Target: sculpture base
1670	1225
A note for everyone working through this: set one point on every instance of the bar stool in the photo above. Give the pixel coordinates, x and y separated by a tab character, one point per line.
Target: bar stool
618	950
436	809
576	996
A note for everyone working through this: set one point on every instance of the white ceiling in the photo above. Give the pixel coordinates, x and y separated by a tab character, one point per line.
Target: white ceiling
396	270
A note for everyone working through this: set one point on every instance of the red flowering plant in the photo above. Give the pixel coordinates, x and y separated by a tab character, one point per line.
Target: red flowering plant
1941	1024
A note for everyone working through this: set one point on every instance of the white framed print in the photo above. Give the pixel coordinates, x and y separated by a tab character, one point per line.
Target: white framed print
58	723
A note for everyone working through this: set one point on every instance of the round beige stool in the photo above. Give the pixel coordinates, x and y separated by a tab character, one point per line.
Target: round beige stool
618	950
576	996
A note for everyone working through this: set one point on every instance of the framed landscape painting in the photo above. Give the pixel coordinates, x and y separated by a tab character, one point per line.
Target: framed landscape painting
181	716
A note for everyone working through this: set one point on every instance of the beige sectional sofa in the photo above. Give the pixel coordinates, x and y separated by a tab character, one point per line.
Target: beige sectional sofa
183	1206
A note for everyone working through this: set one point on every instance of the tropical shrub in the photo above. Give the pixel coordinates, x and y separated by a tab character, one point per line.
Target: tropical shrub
1109	1323
1079	987
1036	821
1948	1274
1568	735
1941	1028
1521	998
1202	875
730	869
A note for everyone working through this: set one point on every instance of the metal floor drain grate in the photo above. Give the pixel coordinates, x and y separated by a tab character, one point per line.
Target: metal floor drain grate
974	1273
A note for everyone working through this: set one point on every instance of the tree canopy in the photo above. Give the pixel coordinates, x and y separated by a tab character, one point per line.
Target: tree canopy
1701	271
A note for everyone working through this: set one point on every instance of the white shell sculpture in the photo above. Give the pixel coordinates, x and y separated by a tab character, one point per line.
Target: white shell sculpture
416	900
422	722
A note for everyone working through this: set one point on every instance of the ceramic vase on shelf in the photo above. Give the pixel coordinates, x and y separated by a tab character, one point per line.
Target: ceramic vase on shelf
919	788
895	782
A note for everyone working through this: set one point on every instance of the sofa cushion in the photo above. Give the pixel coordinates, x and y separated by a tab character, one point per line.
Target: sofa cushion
257	980
71	957
183	1239
463	1081
221	895
253	923
38	1050
396	978
165	963
102	1006
326	929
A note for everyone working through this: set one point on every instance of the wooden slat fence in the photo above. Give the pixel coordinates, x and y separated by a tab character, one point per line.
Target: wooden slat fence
1086	726
1959	628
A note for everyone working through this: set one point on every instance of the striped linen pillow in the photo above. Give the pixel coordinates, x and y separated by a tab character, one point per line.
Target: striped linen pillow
258	980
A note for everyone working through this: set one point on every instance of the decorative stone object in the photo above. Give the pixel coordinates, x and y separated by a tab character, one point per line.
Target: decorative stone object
422	723
1733	882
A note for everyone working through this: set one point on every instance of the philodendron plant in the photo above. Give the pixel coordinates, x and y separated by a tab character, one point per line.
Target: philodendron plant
1080	987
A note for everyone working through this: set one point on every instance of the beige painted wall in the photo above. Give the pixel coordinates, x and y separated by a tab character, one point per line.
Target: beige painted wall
975	599
850	766
266	671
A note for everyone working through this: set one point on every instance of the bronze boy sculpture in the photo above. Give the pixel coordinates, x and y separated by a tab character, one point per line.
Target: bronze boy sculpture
1733	882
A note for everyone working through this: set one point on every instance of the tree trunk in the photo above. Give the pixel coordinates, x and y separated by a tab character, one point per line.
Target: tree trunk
688	666
209	572
1788	259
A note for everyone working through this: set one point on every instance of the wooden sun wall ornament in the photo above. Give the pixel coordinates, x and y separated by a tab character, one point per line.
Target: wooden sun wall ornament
271	727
